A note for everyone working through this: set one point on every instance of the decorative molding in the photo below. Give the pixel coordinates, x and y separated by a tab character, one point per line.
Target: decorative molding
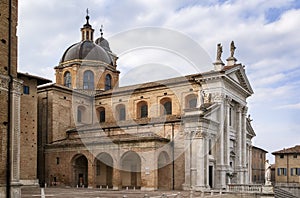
4	80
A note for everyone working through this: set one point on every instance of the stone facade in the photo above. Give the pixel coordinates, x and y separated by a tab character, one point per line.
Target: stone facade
287	165
189	132
258	165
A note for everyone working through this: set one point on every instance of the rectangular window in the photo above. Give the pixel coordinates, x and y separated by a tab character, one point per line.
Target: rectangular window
292	171
57	160
26	89
281	156
281	172
297	170
209	146
295	156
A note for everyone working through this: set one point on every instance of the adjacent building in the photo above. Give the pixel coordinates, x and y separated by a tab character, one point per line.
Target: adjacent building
287	165
258	165
189	132
28	127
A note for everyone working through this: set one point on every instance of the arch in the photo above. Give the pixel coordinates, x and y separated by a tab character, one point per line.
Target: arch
121	112
88	80
166	106
131	170
191	101
67	79
164	171
108	85
142	109
103	170
80	114
101	114
80	171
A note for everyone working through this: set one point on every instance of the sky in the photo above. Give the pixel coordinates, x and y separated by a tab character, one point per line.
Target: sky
265	32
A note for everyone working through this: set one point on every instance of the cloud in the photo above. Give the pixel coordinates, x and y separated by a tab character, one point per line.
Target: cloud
265	33
290	106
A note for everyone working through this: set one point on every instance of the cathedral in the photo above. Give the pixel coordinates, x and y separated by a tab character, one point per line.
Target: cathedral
84	130
189	132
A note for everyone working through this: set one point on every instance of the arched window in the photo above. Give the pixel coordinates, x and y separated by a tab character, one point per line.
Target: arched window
101	112
166	106
191	101
107	82
142	109
121	112
88	80
67	79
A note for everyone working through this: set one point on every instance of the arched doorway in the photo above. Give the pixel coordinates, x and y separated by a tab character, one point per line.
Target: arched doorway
80	171
131	170
103	170
164	171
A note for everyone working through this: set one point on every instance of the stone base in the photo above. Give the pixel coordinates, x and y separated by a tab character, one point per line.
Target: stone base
267	190
148	188
2	191
34	182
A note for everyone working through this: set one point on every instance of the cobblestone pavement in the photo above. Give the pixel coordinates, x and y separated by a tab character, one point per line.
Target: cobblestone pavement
89	193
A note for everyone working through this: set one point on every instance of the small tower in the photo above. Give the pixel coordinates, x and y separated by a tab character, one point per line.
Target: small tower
87	30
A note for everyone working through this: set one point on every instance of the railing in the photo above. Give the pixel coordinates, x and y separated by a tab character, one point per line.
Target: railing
255	188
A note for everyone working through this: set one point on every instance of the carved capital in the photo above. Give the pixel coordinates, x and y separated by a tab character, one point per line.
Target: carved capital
17	86
245	110
4	80
218	97
240	108
200	134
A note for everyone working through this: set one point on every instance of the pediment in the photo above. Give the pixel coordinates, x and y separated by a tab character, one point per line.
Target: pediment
238	75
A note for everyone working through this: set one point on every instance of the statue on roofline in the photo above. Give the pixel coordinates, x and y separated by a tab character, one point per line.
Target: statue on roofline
232	49
219	52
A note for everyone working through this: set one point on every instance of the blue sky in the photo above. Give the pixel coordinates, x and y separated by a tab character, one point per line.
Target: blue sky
265	33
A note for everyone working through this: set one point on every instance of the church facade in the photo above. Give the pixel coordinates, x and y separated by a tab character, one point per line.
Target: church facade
189	132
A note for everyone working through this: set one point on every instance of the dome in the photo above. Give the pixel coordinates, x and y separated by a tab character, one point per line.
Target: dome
103	43
86	50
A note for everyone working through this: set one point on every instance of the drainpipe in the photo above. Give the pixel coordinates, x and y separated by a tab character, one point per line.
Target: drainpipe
8	149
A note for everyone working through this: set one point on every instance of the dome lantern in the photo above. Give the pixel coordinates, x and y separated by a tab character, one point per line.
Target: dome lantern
87	31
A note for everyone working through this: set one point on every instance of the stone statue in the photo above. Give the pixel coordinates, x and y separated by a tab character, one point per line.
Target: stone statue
267	173
232	49
202	95
219	52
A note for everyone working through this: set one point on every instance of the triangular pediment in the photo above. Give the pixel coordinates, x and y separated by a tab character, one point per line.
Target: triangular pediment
238	75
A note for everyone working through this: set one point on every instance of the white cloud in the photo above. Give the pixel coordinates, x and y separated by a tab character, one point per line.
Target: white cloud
270	50
290	106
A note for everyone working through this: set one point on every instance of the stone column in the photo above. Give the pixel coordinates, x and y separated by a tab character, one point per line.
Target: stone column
116	178
188	160
239	144
149	171
244	141
200	160
91	174
15	139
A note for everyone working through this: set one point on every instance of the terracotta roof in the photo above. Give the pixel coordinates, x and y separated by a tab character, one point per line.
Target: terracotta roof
40	80
255	147
292	150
